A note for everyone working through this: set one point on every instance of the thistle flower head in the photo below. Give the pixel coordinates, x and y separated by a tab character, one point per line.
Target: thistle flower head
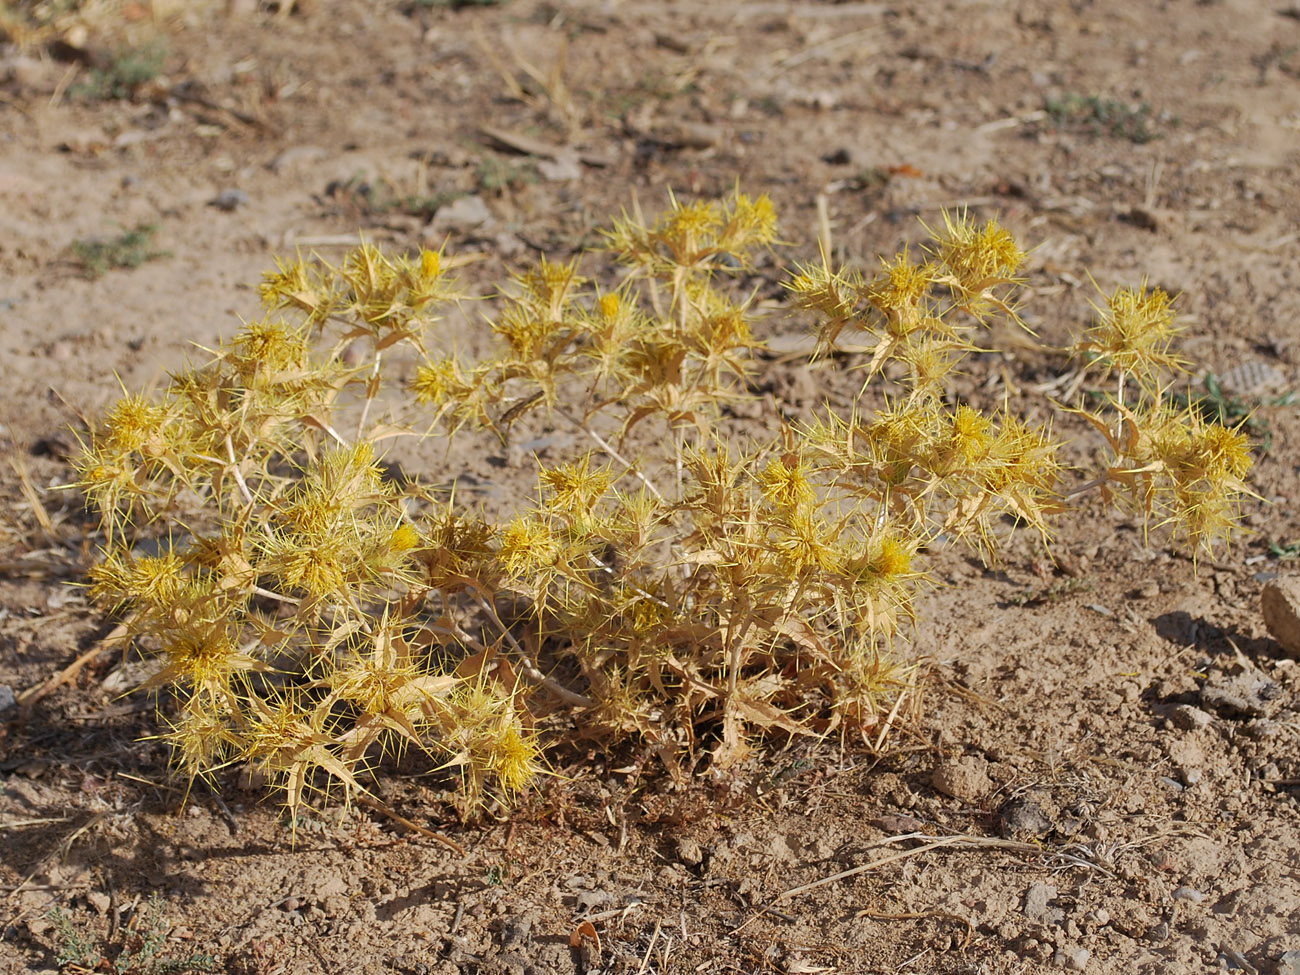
527	546
485	735
899	293
785	483
1135	335
977	256
133	423
292	285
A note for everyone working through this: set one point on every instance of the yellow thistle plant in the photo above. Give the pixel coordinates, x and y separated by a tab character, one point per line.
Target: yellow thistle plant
669	581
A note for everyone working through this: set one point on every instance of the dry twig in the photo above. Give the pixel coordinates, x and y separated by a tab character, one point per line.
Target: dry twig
962	841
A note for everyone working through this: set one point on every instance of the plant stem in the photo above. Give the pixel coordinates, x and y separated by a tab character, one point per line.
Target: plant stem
529	668
609	449
234	469
370	394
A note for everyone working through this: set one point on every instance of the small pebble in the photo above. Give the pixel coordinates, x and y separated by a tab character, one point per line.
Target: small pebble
1244	695
229	199
1232	960
1038	899
462	216
1189	894
1189	718
1023	815
1288	963
7	698
1149	590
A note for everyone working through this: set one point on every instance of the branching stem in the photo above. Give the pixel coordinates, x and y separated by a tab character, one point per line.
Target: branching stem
370	394
528	666
606	446
234	469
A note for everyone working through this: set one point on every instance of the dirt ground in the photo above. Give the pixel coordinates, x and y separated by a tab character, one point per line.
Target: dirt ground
1118	729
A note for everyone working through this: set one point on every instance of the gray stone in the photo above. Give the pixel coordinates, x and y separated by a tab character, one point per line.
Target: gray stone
516	932
1189	894
461	216
229	199
7	698
1073	959
1234	961
1288	963
1023	815
1252	378
562	169
1038	899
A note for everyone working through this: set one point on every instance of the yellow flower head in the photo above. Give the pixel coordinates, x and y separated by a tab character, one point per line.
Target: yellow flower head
1135	335
133	423
784	483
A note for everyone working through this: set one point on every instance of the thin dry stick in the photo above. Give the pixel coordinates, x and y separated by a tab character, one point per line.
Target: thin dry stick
34	694
827	48
33	822
889	721
971	842
401	820
824	227
959	840
645	959
370	395
33	498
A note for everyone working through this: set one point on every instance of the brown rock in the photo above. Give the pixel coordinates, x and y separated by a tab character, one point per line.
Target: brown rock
1280	603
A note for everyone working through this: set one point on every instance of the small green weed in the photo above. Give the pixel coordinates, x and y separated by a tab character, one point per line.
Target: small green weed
1102	116
1290	551
127	69
128	249
452	4
379	197
1048	594
140	951
495	175
1217	406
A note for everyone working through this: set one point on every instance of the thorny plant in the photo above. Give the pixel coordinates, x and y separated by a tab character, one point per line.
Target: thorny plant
668	583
